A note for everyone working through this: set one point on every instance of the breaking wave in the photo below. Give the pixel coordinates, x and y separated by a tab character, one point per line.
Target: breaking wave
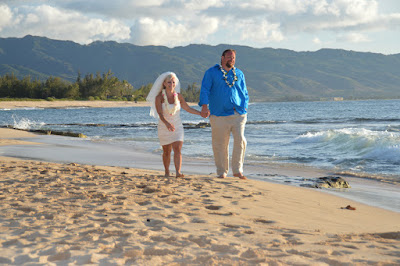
359	142
25	124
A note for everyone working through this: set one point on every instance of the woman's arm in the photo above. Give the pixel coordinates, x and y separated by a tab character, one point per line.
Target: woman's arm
159	100
186	107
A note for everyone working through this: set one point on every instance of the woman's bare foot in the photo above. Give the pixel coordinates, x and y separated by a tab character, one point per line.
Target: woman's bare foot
222	176
166	174
180	175
240	175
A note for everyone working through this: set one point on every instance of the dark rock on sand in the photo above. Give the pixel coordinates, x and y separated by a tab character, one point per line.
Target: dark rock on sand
330	182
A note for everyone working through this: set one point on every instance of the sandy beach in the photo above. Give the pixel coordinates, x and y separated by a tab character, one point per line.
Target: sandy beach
58	214
68	104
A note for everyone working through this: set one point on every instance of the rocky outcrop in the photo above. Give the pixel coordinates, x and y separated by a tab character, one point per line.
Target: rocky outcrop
196	125
60	133
52	132
330	182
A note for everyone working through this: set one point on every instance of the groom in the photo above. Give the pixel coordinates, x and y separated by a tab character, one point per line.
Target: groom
225	99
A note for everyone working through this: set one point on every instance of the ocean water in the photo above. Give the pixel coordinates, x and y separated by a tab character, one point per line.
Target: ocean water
356	139
359	138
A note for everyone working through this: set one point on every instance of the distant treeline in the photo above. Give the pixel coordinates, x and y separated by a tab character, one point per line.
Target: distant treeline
91	87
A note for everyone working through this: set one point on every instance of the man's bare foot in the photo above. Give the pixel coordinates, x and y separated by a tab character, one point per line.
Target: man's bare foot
180	175
222	176
240	175
166	174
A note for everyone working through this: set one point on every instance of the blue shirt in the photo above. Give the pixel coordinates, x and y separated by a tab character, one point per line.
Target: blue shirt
223	100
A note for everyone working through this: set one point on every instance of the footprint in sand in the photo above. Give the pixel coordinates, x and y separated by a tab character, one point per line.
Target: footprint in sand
264	221
197	220
213	207
232	226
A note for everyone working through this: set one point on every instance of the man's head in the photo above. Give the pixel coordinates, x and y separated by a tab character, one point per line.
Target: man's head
228	58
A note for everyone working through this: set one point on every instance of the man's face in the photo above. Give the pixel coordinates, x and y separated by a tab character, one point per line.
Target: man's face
228	59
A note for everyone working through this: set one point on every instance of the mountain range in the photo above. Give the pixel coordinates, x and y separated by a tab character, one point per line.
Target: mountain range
271	74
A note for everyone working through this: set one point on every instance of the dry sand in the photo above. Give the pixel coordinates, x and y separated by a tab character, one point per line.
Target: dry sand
58	214
67	104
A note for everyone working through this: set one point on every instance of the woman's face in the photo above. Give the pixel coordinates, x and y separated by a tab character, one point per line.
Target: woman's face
169	84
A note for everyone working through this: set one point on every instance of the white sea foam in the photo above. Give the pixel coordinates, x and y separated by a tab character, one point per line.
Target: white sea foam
367	143
26	124
354	134
25	108
312	137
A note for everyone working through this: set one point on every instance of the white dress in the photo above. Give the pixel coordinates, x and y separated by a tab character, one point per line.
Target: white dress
164	135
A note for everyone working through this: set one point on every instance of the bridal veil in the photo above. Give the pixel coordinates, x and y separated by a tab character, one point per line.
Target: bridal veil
156	89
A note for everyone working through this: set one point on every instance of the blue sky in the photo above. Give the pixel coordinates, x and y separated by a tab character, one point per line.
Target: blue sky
300	25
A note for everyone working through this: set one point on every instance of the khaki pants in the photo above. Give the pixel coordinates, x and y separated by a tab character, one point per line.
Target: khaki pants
221	128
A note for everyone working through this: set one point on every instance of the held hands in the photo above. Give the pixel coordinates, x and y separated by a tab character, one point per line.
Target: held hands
204	111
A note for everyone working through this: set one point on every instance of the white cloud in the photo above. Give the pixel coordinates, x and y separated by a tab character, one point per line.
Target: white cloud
361	9
180	22
336	15
353	38
317	41
32	19
56	23
158	32
260	32
199	5
321	8
148	31
385	22
5	16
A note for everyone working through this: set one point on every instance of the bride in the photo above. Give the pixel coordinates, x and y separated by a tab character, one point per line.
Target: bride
166	103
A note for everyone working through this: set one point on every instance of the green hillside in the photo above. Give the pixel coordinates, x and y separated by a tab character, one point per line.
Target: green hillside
271	74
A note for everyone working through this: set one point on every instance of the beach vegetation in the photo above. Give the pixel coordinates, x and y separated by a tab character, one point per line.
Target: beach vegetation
192	93
141	93
20	99
92	87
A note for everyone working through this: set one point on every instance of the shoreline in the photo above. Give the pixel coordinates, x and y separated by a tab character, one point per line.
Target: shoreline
82	213
69	104
65	150
61	149
73	104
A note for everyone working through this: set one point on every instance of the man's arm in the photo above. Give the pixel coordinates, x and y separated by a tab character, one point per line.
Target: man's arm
205	93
